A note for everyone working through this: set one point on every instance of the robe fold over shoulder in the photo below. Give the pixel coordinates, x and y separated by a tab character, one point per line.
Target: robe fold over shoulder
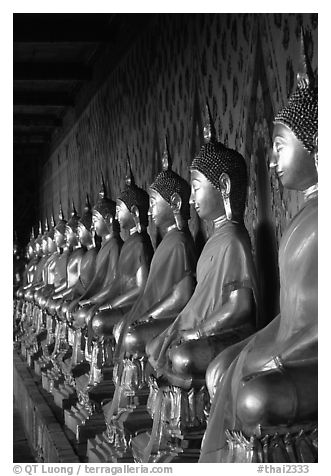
106	266
136	252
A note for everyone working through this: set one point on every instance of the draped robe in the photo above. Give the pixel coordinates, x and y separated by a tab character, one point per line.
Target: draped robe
292	335
174	258
225	265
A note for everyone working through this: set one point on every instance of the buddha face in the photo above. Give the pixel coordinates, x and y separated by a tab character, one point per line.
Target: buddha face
205	198
51	245
123	215
99	224
71	236
30	251
293	164
44	245
84	235
59	239
160	210
38	247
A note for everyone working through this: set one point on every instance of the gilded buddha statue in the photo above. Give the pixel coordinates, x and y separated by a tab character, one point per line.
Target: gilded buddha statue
106	227
134	261
222	310
88	262
170	284
22	310
72	256
81	309
132	272
264	390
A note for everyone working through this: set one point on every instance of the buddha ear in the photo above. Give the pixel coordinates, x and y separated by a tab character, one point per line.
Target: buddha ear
176	202
136	216
225	183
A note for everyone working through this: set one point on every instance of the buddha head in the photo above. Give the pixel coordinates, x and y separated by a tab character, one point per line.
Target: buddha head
84	225
132	204
294	152
103	216
59	230
44	243
51	245
169	196
38	241
71	228
30	249
218	178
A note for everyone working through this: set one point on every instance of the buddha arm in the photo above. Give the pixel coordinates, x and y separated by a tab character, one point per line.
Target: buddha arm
129	297
235	312
174	302
300	347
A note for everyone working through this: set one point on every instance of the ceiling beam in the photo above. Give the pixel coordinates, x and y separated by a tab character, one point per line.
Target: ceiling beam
36	120
60	27
51	72
31	98
25	138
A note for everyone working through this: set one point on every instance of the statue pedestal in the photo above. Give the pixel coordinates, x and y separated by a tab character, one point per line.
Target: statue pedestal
179	422
113	444
280	444
83	419
83	422
65	395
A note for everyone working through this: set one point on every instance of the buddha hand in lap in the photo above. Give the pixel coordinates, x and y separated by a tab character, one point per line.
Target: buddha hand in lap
271	384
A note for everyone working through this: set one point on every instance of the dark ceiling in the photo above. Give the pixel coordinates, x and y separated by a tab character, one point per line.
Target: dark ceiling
56	70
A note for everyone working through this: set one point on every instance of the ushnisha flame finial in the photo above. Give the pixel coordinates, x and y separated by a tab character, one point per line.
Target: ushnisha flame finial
73	209
305	75
52	221
103	191
129	179
61	215
209	131
166	157
87	206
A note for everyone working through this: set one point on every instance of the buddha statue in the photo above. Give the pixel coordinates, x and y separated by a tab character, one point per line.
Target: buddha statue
264	390
88	261
46	287
222	310
169	286
30	268
48	249
18	265
132	272
134	261
40	261
105	226
75	253
31	321
82	309
21	304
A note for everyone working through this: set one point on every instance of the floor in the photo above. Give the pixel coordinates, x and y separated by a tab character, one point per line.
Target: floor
21	450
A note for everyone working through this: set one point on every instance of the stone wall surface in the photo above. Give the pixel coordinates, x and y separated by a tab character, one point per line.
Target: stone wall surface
245	64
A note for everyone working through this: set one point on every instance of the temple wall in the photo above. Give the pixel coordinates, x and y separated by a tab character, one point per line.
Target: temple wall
245	64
